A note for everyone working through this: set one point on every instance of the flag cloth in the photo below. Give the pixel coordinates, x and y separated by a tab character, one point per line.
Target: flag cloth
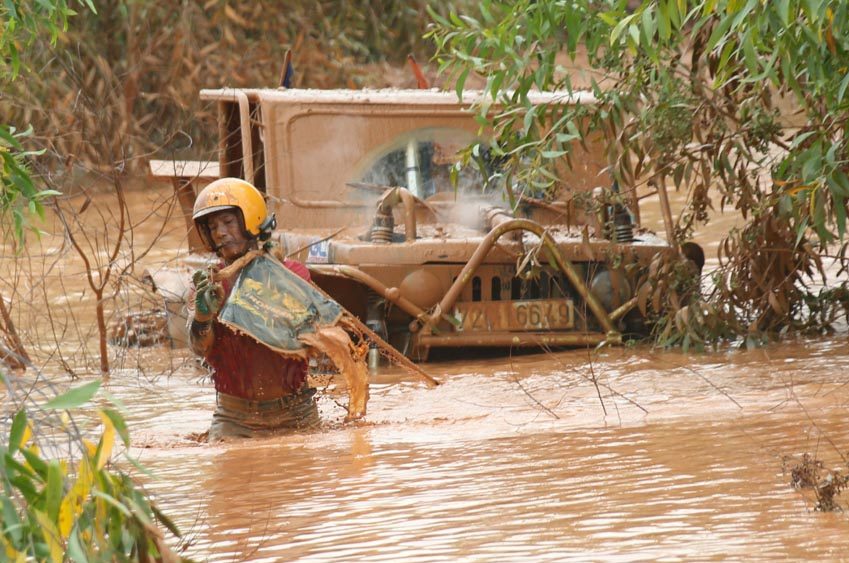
275	306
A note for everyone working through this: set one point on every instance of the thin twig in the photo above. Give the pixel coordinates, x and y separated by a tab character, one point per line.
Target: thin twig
526	392
595	381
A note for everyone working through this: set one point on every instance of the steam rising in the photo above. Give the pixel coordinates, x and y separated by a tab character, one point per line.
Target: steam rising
436	152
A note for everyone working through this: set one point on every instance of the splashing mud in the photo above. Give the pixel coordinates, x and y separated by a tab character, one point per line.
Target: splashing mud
336	343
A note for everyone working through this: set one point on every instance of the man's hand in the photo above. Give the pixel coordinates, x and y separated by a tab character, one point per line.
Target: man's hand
208	295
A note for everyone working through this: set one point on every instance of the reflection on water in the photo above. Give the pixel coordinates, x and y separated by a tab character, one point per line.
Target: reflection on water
648	455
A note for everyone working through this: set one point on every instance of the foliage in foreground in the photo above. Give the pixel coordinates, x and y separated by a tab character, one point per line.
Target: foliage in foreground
739	102
22	22
19	197
54	510
50	511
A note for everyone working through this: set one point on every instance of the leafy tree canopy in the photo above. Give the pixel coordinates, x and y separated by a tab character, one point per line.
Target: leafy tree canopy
743	102
21	22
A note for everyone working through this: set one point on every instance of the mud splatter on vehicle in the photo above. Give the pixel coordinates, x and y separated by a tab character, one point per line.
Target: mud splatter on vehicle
367	194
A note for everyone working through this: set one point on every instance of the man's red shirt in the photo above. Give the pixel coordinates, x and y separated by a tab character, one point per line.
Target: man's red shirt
245	368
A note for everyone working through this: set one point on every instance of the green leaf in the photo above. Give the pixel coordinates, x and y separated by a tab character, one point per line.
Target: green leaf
7	136
620	28
783	9
664	26
119	404
165	521
749	54
842	90
840	215
566	137
553	154
648	24
812	166
19	424
799	139
75	397
830	154
838	182
11	521
111	500
24	184
54	490
137	509
719	32
529	119
120	425
634	32
487	15
494	84
38	464
14	465
76	551
26	486
800	232
461	82
610	18
743	13
574	23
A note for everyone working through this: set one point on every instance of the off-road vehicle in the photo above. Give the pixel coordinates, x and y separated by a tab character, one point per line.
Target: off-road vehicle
362	186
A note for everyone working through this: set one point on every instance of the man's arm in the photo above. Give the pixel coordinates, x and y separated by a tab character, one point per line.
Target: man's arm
200	336
207	302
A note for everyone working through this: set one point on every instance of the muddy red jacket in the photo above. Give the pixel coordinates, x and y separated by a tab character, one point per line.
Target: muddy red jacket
247	369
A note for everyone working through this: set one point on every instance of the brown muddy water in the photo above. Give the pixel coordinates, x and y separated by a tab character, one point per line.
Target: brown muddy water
672	457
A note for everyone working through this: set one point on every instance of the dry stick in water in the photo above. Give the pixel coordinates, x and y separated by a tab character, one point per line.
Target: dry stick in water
387	348
712	384
526	392
595	382
815	425
612	391
705	379
592	372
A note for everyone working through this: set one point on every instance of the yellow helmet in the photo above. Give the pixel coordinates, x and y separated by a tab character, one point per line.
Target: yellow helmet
231	193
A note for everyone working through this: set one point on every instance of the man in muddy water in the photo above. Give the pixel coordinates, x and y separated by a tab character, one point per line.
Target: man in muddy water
258	391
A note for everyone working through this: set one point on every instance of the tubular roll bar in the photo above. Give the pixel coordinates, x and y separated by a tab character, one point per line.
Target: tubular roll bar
247	141
427	320
554	256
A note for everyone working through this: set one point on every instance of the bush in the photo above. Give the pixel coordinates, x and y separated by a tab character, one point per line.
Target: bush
80	510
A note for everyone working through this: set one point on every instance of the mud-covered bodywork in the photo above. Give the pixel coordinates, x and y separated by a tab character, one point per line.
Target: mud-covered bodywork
361	183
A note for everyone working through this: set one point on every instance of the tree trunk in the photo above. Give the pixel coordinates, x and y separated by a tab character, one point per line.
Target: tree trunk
20	358
101	330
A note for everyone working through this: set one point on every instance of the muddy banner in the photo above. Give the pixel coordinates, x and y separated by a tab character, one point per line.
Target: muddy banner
275	306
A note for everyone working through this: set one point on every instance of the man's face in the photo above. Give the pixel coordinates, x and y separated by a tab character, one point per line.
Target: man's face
225	230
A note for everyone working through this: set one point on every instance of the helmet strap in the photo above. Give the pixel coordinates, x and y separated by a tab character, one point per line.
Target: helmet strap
267	226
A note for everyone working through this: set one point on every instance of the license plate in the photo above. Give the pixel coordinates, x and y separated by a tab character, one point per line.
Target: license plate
493	316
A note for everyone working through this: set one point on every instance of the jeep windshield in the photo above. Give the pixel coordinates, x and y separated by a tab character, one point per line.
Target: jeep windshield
421	161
